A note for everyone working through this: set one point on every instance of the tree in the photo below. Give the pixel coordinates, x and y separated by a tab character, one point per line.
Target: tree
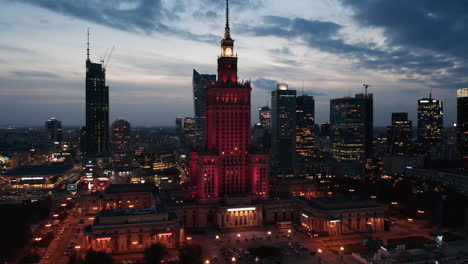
98	257
155	253
190	254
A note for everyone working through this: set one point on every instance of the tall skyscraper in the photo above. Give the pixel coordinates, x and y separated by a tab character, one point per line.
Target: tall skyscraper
54	130
351	121
121	146
430	120
225	167
199	83
399	134
264	116
97	109
283	131
189	130
305	126
462	124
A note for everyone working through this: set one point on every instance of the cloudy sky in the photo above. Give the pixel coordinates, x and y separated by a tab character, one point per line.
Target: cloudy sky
329	47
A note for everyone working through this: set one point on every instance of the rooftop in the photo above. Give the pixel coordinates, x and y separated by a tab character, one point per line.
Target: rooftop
131	188
40	170
342	202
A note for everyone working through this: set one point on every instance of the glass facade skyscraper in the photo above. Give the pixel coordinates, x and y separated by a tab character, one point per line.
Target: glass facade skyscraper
121	146
430	120
97	110
199	83
351	121
399	134
54	130
462	124
305	126
283	131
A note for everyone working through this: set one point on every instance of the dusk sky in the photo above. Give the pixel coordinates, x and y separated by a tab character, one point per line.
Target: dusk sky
403	48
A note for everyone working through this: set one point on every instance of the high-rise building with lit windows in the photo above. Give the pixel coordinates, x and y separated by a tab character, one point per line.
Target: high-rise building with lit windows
199	83
54	130
283	131
264	116
430	120
189	130
97	109
462	124
121	146
225	167
305	126
399	134
351	121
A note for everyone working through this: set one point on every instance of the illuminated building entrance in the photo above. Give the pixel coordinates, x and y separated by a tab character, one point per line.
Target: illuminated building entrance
240	217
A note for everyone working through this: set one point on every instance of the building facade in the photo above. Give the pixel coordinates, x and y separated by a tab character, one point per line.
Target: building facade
430	120
399	134
351	121
132	231
283	131
264	116
97	109
189	130
462	124
54	130
337	216
121	146
224	167
305	126
199	83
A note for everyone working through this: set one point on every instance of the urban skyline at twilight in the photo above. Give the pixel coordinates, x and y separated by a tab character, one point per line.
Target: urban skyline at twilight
332	46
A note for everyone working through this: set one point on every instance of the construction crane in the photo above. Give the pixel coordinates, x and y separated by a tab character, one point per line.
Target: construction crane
365	88
108	57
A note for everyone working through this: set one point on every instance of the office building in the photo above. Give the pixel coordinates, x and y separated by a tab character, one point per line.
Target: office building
264	116
430	120
399	134
462	124
351	121
283	131
225	167
199	83
189	130
305	126
97	109
54	130
121	147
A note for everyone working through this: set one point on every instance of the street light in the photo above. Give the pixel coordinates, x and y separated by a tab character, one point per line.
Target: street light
289	231
319	250
238	235
233	259
207	261
341	248
217	237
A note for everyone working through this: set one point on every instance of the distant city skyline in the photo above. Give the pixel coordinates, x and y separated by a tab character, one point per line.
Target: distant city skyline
332	46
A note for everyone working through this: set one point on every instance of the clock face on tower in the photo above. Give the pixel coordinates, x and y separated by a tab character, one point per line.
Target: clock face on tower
228	51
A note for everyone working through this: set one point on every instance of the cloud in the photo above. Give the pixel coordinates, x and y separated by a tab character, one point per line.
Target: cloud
404	54
9	48
35	74
265	84
139	16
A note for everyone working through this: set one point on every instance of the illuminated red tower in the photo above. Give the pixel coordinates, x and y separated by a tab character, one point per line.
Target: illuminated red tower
225	167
